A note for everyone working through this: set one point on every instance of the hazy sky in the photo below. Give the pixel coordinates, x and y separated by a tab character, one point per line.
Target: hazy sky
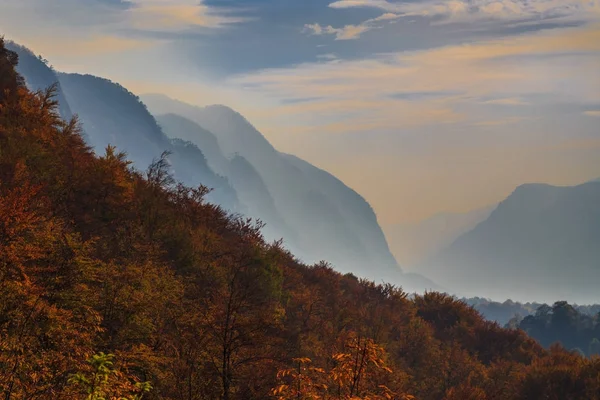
421	105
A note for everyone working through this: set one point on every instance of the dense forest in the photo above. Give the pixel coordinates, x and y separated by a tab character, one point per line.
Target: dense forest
576	327
565	324
504	312
122	284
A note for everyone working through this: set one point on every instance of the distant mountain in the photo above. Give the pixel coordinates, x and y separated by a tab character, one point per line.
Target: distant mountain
39	76
332	221
191	168
255	199
176	126
541	243
353	209
416	242
112	115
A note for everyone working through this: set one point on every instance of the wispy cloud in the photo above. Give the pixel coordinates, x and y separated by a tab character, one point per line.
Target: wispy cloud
176	15
507	101
470	10
594	113
349	32
84	25
500	122
474	84
328	57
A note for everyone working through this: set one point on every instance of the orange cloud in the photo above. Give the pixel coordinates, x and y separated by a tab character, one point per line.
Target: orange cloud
175	15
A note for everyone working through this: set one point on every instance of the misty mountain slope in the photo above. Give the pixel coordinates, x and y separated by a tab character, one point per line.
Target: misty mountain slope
328	227
191	168
259	203
39	76
413	243
243	143
255	199
542	242
110	114
352	207
176	126
235	133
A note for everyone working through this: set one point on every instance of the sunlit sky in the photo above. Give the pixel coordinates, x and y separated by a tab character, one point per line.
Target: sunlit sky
422	106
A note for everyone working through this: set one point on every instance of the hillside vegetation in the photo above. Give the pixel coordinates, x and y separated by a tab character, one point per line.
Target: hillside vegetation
117	284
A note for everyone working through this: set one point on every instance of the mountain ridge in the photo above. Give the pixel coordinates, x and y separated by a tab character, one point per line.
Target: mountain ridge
294	184
541	237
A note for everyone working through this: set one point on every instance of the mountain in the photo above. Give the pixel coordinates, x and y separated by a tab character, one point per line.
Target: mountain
176	126
353	209
191	168
541	243
413	243
319	207
40	76
255	199
111	115
318	216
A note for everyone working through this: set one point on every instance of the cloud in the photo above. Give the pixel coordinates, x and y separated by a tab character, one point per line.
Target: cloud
328	56
508	101
69	32
471	10
381	4
349	32
499	122
176	15
441	85
86	19
594	113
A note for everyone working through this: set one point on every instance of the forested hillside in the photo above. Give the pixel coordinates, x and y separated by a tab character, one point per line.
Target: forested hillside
565	324
296	201
123	284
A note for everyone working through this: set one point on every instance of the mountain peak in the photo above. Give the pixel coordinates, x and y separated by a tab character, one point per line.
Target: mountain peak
540	242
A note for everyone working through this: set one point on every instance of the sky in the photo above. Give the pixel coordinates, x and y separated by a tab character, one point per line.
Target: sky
422	106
